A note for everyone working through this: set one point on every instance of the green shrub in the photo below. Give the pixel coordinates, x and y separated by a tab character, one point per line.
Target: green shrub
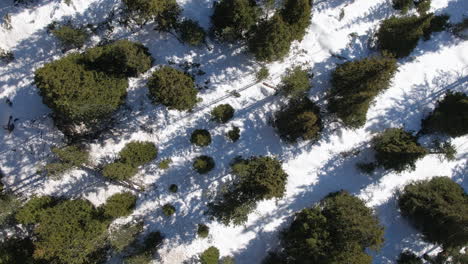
438	24
164	12
164	164
191	33
423	6
203	230
234	134
408	257
143	258
403	5
338	230
233	19
123	237
227	260
298	14
354	86
201	138
137	153
169	209
9	205
172	88
119	204
295	83
400	35
262	74
222	113
119	171
439	209
449	117
33	209
203	164
300	119
173	188
397	149
257	178
70	37
68	157
210	256
17	251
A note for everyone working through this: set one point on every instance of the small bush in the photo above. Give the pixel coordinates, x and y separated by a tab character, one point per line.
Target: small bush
173	188
234	134
164	164
17	251
408	257
172	88
68	157
137	153
233	19
201	138
203	164
165	13
262	74
295	83
438	24
403	5
397	150
222	113
203	230
119	204
123	237
9	205
32	210
191	32
70	37
210	256
168	210
143	258
423	6
119	171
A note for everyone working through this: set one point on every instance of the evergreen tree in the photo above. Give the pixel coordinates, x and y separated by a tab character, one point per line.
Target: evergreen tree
124	236
31	211
172	88
222	113
119	171
234	134
17	251
201	138
298	14
295	83
397	150
165	13
168	209
119	204
439	209
408	257
70	37
449	117
210	256
403	5
233	19
203	164
203	230
137	153
400	35
68	157
191	33
354	86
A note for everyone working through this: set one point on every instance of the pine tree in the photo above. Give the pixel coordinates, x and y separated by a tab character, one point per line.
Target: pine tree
165	13
222	113
210	256
191	32
233	19
295	83
70	37
119	204
298	14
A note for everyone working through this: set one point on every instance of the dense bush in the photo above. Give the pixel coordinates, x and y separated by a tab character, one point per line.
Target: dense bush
17	251
173	188
233	19
203	230
397	149
449	117
439	209
338	230
227	260
143	252
165	163
168	209
423	6
234	134
438	24
172	88
257	178
222	113
9	205
408	257
31	212
119	171
119	204
68	157
298	14
262	74
400	35
70	37
165	13
403	5
203	164
295	83
142	258
137	153
191	32
200	137
210	256
354	86
300	119
124	236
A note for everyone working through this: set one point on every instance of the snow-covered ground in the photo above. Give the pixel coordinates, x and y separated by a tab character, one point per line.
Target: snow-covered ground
434	67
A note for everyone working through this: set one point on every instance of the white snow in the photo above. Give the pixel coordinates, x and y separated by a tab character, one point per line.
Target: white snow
435	66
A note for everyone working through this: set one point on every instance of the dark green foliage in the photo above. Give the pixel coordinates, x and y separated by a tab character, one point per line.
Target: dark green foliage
445	148
227	260
397	150
408	257
354	86
119	171
164	164
203	230
119	204
168	209
222	113
233	19
400	35
449	117
191	33
165	13
297	13
123	237
203	164
257	178
173	188
121	58
137	153
172	88
337	230
201	138
423	6
295	83
460	28
403	5
438	24
272	40
233	134
68	157
143	252
9	205
70	37
300	119
439	209
210	256
367	168
262	74
31	212
17	251
143	258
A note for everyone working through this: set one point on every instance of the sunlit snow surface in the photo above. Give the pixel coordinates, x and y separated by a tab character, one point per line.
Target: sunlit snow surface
434	67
